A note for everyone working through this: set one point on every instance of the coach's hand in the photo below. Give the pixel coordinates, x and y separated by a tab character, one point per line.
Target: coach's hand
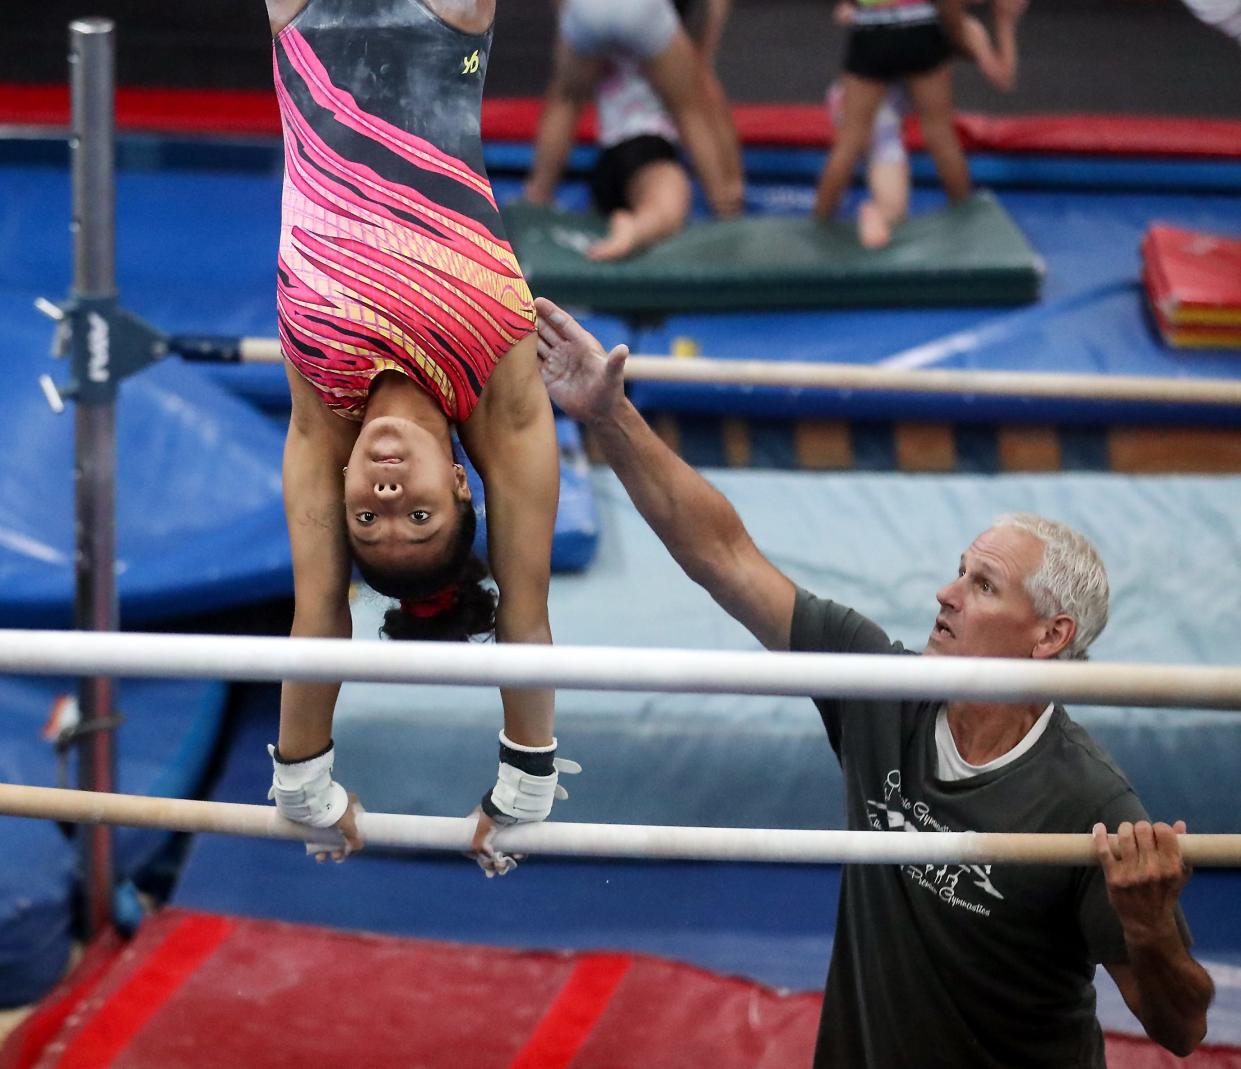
1145	874
587	383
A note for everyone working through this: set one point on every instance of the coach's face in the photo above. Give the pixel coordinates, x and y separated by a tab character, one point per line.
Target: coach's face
986	612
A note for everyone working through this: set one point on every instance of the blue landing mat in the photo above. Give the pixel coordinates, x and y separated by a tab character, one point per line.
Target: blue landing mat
164	744
36	895
200	524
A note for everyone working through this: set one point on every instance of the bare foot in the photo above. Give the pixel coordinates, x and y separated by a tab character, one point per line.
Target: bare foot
621	239
873	229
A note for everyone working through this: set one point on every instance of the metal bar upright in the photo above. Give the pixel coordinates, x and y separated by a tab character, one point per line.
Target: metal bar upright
93	154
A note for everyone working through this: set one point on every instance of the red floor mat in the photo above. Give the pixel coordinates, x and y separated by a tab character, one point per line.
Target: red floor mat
1129	1052
195	990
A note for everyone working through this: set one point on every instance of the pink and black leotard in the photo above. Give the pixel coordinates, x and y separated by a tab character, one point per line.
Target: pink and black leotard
392	251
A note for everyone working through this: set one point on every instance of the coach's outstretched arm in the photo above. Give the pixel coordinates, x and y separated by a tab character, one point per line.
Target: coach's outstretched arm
694	521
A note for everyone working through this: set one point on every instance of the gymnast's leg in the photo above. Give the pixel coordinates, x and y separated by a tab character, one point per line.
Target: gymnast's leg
676	75
932	98
860	101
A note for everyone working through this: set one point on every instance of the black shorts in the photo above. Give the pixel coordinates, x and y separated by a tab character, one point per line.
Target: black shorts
890	53
616	166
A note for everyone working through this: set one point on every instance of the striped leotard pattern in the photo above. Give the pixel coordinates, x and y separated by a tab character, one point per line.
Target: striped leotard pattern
392	252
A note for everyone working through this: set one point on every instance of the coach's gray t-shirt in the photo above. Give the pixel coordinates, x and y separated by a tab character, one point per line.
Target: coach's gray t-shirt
961	966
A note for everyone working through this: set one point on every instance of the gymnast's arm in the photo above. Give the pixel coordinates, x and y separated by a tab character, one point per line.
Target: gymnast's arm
694	521
1167	990
997	62
316	448
512	443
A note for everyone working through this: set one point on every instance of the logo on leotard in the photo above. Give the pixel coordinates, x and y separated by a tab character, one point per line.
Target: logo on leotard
470	64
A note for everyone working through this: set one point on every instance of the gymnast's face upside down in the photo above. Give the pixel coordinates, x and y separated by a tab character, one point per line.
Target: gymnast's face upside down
987	610
404	498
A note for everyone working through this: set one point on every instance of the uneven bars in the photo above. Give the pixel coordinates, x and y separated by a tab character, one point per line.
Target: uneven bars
808	375
396	831
614	668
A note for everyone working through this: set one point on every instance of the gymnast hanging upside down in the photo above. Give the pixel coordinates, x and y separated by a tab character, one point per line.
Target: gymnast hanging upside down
404	316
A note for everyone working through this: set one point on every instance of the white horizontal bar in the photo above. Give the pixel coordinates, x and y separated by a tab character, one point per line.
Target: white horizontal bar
394	831
808	375
615	668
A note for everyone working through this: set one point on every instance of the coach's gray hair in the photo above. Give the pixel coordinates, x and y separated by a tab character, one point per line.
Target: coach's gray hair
1070	579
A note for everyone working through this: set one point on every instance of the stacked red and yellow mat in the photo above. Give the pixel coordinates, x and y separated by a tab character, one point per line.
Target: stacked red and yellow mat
1193	283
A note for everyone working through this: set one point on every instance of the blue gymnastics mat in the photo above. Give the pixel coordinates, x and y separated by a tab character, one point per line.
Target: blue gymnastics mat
200	523
36	905
164	744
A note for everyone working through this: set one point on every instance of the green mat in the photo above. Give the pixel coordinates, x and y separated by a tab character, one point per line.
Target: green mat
969	253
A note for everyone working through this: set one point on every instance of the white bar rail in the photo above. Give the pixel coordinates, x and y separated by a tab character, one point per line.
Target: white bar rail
614	668
807	375
394	831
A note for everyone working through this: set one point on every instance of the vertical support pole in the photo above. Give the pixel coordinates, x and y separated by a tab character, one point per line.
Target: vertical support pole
93	152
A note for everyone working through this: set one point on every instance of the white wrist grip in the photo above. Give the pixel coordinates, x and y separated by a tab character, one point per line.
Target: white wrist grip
305	792
524	796
521	796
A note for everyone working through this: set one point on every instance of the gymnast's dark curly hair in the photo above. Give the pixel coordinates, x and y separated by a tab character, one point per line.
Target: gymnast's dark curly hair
449	602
